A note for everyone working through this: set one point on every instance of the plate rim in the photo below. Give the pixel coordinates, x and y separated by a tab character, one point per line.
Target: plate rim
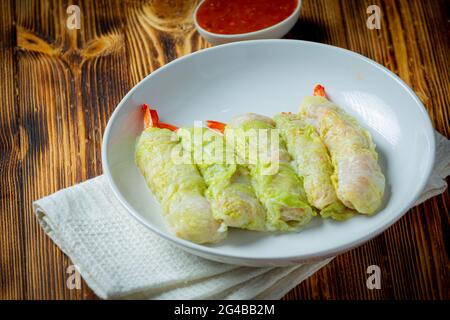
325	253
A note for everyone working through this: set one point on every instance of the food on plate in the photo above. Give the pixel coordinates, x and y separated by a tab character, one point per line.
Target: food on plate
229	191
280	191
242	16
312	163
179	187
357	176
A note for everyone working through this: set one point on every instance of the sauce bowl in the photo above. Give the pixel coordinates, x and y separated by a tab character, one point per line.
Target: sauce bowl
275	31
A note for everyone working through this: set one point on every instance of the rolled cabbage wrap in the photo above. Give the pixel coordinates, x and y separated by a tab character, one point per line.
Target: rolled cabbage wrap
179	187
313	164
357	176
230	192
281	191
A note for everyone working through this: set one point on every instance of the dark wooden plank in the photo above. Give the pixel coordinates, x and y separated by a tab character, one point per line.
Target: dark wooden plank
158	32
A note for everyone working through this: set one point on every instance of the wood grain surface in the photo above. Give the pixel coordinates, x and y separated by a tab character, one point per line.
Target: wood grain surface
59	87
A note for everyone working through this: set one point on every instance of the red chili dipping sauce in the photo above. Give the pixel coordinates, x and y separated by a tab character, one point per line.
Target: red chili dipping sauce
242	16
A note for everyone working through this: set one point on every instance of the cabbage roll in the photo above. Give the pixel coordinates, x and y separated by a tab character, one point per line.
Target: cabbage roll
313	164
280	191
230	192
357	176
179	187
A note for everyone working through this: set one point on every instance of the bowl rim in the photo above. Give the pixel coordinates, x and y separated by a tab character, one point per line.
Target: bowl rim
327	252
247	34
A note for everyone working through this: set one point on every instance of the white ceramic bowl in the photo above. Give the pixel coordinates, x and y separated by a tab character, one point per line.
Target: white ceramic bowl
273	32
269	76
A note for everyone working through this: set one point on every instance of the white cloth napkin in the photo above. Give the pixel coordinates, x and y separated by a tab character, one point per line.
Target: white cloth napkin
120	258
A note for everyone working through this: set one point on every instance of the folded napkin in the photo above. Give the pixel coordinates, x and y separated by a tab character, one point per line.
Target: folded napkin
120	258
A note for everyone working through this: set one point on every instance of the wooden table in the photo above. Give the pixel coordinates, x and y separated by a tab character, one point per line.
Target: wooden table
59	87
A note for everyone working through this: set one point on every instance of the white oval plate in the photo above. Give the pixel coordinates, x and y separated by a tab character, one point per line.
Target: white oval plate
269	76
